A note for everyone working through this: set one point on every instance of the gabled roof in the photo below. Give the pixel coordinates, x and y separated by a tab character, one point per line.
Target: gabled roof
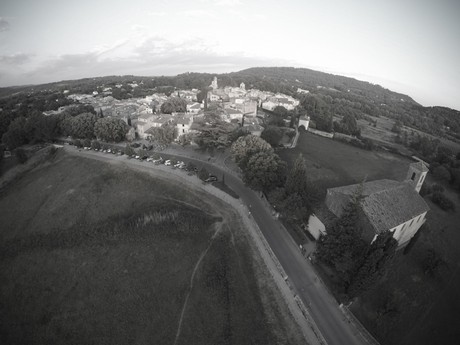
385	203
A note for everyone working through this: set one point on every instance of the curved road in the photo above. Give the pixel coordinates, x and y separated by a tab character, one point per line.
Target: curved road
321	305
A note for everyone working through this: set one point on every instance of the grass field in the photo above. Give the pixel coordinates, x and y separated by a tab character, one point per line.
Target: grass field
333	163
96	253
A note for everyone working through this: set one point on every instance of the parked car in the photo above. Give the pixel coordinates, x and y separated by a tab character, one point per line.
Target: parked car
211	178
168	162
150	159
180	165
158	161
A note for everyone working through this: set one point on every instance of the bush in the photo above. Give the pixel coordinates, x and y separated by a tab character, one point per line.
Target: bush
77	143
442	201
87	143
441	173
203	174
21	155
95	145
437	188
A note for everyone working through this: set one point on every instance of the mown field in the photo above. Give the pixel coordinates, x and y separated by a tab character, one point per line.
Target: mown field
96	253
333	163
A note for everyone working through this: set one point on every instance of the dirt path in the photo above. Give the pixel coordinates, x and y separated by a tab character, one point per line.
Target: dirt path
195	269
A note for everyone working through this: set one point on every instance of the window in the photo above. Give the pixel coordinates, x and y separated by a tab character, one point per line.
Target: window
421	180
411	222
413	176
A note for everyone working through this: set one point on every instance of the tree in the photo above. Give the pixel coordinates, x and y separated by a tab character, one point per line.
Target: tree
164	134
343	246
77	143
82	126
280	111
174	105
298	182
272	135
110	129
374	263
441	173
244	147
95	145
16	135
264	171
203	174
129	151
21	155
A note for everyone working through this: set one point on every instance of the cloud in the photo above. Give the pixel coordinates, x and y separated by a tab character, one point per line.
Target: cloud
149	57
156	14
4	24
228	2
15	59
196	13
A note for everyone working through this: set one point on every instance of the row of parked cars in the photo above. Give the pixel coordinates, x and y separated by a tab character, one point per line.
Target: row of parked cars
190	167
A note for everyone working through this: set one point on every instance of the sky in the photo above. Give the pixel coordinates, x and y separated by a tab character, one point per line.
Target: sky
408	46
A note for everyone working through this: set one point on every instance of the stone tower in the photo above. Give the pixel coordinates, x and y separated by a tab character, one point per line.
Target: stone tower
214	83
416	175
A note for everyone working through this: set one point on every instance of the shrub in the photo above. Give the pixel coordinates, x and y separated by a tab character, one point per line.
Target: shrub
87	143
437	188
441	173
442	201
77	143
203	174
95	145
21	155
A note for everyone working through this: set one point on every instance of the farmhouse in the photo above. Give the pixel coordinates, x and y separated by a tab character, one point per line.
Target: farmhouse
386	205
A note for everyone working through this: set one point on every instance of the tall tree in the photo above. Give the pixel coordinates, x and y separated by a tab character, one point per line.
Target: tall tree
374	264
244	147
343	246
110	129
272	135
264	171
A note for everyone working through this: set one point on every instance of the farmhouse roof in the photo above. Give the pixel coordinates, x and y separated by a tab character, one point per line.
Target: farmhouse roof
386	203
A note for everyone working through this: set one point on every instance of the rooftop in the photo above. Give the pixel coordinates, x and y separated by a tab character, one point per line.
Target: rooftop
386	203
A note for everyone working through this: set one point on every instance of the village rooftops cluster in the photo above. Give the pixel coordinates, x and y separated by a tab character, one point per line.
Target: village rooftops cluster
240	106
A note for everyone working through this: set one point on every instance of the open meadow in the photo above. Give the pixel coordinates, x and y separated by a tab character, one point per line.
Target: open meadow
333	163
93	252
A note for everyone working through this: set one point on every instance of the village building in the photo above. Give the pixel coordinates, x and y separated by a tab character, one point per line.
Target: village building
386	205
304	121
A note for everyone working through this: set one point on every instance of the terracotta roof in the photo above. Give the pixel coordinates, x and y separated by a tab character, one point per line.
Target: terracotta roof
385	203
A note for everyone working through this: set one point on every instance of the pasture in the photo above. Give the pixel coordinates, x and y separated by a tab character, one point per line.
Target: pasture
93	252
333	163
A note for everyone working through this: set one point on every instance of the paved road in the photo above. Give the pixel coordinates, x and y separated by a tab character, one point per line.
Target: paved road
321	305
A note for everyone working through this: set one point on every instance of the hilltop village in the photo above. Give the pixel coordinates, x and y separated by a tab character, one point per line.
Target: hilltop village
185	109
